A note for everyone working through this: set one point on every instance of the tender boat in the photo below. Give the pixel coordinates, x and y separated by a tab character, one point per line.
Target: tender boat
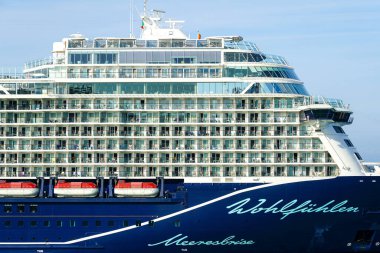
136	189
18	189
75	189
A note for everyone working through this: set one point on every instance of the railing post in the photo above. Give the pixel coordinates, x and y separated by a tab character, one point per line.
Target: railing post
41	182
51	187
110	189
162	186
101	189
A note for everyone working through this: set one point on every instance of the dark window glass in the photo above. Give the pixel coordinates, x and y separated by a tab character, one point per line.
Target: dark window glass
20	208
151	223
177	223
80	58
338	129
349	143
7	223
80	88
110	223
125	223
358	156
364	237
20	223
33	208
98	223
59	223
46	223
7	208
33	223
184	60
85	223
138	223
72	223
106	58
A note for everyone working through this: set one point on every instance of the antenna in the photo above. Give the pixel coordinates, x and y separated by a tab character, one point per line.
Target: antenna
145	4
131	17
159	11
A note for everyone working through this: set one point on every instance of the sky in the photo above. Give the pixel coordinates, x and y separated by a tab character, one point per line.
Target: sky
334	45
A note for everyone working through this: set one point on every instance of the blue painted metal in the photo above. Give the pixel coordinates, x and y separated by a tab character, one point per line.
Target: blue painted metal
101	187
41	183
51	187
193	227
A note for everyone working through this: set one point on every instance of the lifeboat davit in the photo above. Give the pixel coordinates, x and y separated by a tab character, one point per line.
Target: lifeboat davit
18	189
136	189
65	189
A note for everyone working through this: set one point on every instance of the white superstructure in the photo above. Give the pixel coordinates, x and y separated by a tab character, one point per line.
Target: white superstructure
215	109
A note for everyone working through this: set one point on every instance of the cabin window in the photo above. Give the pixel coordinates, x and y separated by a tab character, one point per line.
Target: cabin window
33	208
7	223
20	208
348	143
33	223
358	156
84	223
364	237
20	223
183	60
59	223
7	208
104	58
72	223
138	223
151	223
80	58
177	223
125	223
338	130
110	223
98	223
46	223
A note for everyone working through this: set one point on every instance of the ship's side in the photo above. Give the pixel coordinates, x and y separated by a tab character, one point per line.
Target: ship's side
172	144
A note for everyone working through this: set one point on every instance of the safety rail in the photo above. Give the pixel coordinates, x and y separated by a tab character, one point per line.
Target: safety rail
38	63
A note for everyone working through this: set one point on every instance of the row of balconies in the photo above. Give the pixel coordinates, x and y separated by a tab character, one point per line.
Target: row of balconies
157	134
133	120
155	106
165	161
190	103
157	147
172	172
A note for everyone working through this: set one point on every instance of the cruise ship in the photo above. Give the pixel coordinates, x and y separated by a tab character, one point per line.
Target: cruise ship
166	143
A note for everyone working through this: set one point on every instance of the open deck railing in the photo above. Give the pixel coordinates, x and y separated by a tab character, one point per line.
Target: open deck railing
38	63
336	103
9	73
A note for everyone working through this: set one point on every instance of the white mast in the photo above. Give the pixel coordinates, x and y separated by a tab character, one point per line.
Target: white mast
145	4
131	18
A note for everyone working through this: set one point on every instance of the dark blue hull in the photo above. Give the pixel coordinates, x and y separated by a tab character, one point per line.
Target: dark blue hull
332	215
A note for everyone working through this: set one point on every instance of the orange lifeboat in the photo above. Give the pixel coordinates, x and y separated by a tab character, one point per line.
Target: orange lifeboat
65	189
18	189
136	189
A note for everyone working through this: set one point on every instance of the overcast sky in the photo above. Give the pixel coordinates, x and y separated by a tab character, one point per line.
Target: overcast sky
334	45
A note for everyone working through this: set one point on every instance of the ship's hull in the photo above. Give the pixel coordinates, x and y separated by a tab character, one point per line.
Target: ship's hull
331	215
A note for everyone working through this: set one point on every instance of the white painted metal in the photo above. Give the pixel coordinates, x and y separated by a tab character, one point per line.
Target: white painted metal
18	192
76	192
136	192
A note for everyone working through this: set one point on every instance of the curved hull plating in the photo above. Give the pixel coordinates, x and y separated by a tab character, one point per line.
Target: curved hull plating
332	215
